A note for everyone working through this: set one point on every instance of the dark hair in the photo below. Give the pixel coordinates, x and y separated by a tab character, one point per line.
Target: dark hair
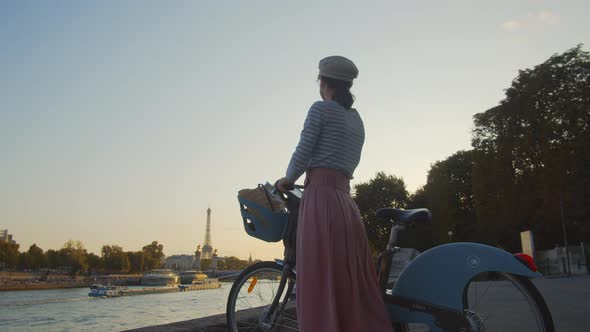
342	93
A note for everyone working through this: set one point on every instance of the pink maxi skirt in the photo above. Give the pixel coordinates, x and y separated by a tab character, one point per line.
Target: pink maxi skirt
337	288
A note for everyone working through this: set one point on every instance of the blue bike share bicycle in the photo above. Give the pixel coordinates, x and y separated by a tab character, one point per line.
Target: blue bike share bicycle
462	286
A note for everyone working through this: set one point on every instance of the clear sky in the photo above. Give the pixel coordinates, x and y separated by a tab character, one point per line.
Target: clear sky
120	122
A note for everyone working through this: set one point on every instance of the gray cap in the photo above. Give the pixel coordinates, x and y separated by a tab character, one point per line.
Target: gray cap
338	67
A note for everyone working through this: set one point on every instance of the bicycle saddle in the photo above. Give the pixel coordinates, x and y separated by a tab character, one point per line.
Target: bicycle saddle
405	216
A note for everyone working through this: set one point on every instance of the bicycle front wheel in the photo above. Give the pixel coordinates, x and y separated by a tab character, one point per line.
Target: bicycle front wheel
250	301
504	302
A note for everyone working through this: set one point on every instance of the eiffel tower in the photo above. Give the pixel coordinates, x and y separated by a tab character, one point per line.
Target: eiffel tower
207	246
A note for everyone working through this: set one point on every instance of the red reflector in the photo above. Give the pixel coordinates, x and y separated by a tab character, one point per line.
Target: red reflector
527	260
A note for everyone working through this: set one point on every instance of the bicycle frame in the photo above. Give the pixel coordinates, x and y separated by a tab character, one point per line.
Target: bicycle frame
417	296
287	272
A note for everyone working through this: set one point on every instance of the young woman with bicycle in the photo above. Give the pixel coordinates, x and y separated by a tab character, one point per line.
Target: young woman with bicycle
457	286
337	287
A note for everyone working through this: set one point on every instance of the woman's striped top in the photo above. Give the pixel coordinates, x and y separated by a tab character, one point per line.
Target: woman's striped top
332	137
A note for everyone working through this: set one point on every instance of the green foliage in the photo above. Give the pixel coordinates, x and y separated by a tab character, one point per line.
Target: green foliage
36	257
33	259
74	259
53	259
114	259
221	264
73	256
419	199
152	255
530	154
8	255
136	261
531	151
382	191
233	263
95	263
24	261
449	196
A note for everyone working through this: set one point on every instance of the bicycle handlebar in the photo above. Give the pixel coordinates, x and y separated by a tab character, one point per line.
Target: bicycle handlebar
287	195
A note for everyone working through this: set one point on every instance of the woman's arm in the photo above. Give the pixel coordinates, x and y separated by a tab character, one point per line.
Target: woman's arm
309	137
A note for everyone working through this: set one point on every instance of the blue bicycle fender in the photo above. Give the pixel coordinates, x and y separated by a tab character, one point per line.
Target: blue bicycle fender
440	275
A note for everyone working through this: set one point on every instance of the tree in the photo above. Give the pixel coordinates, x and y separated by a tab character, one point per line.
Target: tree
115	260
449	196
531	154
379	192
419	199
95	263
33	259
74	257
221	264
24	261
234	263
53	259
136	261
153	254
36	257
8	255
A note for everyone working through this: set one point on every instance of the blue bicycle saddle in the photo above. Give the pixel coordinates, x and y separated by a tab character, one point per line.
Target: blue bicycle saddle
405	216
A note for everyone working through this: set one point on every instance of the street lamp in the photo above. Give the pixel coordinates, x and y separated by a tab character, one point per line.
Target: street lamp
450	236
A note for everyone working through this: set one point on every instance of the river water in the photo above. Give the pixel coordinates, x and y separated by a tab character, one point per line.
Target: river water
74	310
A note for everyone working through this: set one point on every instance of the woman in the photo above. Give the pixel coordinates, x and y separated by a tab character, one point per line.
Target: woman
337	287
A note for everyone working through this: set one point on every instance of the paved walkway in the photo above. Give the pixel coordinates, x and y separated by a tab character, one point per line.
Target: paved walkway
568	300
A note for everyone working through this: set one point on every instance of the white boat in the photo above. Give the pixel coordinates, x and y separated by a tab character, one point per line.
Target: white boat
99	290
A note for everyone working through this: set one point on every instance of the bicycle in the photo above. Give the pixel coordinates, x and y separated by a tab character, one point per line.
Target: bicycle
457	298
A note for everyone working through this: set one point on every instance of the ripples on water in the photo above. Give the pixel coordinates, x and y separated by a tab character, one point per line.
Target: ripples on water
37	302
73	310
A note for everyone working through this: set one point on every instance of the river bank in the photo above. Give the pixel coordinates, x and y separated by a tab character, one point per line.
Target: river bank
22	281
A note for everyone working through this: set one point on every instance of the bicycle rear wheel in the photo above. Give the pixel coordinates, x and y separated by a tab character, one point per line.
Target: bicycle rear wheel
504	302
251	296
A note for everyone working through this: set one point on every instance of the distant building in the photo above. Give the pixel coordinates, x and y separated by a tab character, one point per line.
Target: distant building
180	262
4	236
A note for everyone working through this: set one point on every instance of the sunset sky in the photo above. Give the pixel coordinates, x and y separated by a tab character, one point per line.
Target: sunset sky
120	122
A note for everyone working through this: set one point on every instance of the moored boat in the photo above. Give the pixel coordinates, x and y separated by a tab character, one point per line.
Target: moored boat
98	290
160	277
192	276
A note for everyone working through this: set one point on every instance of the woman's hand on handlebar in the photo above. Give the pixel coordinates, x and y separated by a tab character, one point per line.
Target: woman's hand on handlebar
285	185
